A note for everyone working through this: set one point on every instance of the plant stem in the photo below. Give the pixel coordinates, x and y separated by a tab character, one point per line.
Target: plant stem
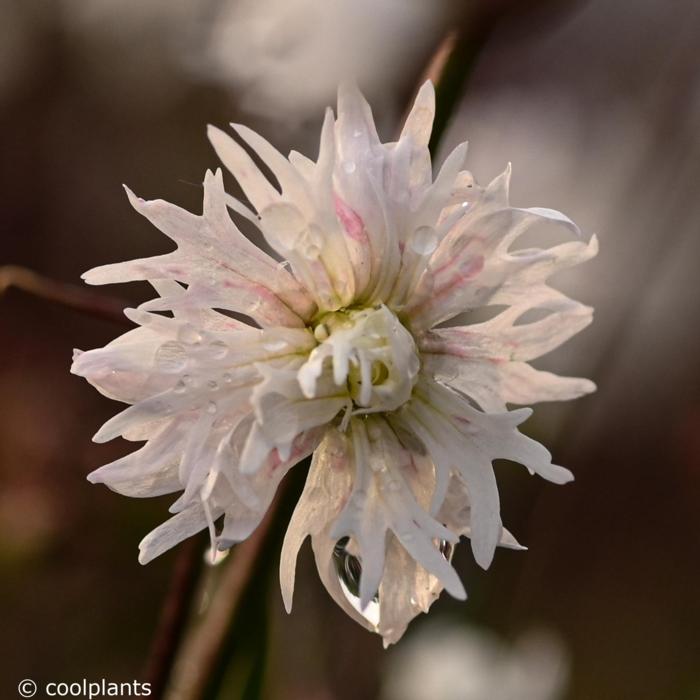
200	650
173	617
453	62
63	293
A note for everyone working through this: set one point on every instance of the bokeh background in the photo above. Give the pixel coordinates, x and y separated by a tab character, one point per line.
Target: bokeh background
597	105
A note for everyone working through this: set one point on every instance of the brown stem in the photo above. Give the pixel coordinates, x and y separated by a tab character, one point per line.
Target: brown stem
199	652
173	617
63	293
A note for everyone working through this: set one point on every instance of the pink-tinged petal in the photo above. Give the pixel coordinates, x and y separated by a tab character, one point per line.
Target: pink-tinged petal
357	243
181	526
149	471
355	127
256	187
282	412
451	452
474	266
326	490
419	122
465	441
480	380
381	501
361	487
299	223
523	384
501	339
456	514
293	186
216	260
241	517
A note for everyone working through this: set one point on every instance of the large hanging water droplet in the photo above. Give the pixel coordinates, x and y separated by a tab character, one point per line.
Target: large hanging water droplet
171	356
349	570
446	549
348	566
424	240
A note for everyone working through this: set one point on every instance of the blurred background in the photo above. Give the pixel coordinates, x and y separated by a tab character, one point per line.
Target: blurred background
597	105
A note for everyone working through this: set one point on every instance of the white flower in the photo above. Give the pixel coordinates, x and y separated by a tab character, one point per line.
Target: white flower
340	355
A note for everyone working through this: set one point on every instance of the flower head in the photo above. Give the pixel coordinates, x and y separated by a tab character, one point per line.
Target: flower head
339	351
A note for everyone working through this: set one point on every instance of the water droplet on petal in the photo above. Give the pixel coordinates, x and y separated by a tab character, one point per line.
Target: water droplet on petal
376	465
214	557
285	222
211	407
349	166
171	356
275	345
312	242
357	133
189	334
315	236
180	387
424	240
227	378
217	349
312	252
213	386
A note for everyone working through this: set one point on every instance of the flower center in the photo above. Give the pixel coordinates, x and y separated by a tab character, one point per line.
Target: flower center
368	353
